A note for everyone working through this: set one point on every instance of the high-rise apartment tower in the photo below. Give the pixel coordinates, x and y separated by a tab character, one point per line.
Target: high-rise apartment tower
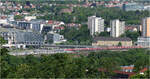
117	28
95	24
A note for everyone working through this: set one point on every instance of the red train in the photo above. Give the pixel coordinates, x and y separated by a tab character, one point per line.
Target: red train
104	48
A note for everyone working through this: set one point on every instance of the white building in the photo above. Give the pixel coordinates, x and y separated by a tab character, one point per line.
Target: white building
147	7
29	18
3	21
95	24
144	42
10	18
36	27
56	38
117	28
108	29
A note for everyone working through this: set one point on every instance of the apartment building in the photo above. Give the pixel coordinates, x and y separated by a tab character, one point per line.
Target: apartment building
144	40
117	28
95	24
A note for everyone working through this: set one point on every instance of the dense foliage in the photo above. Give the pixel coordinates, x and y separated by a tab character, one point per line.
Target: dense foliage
18	17
80	14
69	65
2	41
77	36
104	34
141	76
133	35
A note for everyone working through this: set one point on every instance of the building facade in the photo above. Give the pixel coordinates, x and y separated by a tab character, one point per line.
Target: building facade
133	7
52	37
144	40
37	25
34	25
117	28
146	27
28	18
109	41
17	37
95	24
23	25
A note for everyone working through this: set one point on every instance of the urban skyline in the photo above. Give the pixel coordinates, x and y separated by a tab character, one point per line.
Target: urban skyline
75	39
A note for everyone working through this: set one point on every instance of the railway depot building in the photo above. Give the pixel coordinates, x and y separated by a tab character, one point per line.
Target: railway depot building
21	38
111	41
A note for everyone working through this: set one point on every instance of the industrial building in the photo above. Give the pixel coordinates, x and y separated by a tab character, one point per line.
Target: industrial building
21	38
34	25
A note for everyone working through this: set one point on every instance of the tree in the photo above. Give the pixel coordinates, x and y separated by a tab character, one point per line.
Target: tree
71	65
18	17
3	51
138	76
108	64
141	62
146	75
21	71
104	34
77	36
119	44
2	41
4	70
132	35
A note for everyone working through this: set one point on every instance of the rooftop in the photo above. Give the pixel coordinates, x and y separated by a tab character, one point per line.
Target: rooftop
143	70
128	67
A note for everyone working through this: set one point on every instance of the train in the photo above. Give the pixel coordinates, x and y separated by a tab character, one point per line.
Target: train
103	48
